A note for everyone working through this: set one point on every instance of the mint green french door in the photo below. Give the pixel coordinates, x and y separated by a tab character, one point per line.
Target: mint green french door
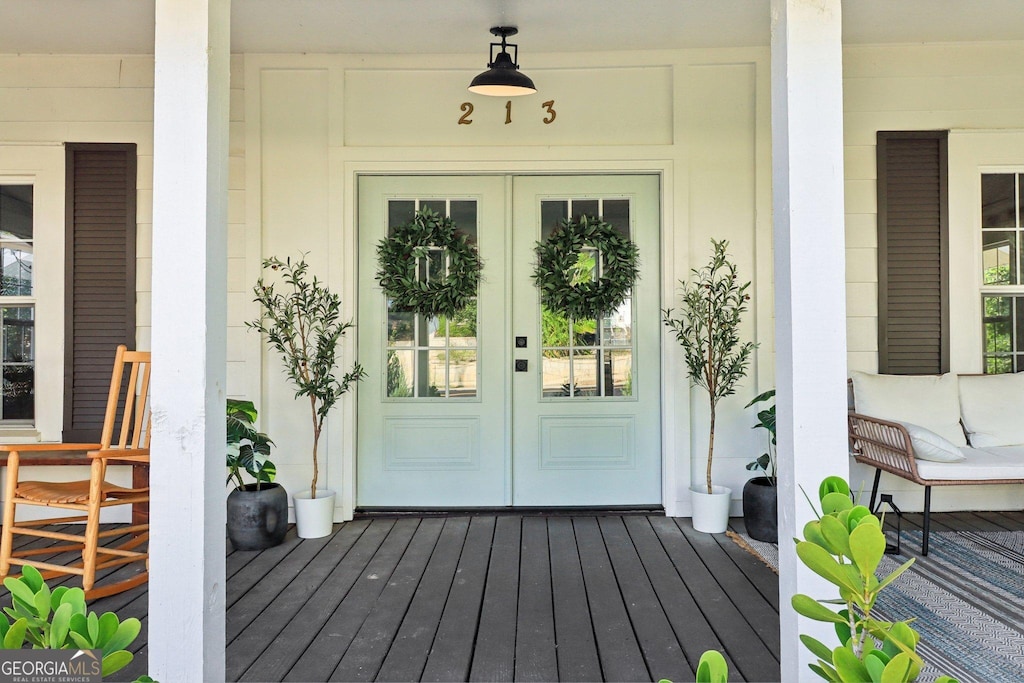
507	403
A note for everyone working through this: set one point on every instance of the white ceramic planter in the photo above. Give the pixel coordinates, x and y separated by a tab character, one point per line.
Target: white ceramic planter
710	511
314	517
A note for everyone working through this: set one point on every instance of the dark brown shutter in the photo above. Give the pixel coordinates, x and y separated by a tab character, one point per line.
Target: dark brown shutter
99	278
913	253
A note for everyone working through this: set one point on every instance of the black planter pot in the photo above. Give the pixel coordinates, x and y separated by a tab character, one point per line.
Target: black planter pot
257	519
761	509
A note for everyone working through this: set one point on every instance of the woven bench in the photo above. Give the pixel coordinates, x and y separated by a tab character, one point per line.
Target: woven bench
921	412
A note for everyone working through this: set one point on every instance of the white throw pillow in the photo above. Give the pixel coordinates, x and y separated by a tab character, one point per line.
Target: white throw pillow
930	446
930	401
993	409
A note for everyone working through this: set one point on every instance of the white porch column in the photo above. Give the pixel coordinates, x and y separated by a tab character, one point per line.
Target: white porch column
190	167
810	288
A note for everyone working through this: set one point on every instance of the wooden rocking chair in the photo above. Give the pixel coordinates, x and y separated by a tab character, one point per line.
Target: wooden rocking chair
129	393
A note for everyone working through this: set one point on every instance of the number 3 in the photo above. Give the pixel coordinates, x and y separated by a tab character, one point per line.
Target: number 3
548	106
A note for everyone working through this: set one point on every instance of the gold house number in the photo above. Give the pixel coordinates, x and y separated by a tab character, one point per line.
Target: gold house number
467	110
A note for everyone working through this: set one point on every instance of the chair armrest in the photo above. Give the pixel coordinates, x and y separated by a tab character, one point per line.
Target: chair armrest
128	455
882	444
42	447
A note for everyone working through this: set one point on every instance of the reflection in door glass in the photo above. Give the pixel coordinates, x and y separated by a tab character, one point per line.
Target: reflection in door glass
594	357
432	357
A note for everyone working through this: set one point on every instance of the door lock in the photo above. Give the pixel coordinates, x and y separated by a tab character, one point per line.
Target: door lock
522	365
520	342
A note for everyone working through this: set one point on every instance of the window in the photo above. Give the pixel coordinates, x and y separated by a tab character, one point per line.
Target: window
587	358
17	305
1002	276
432	357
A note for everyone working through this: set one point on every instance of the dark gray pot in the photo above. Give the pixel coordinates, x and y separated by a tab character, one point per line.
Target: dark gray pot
761	509
257	519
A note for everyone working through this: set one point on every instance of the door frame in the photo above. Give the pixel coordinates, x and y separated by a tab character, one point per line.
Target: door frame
344	277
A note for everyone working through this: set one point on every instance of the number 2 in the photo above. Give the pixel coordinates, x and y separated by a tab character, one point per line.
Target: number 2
466	107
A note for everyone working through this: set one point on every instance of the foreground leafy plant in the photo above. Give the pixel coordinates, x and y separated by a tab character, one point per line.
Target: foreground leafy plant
247	449
59	620
845	546
765	420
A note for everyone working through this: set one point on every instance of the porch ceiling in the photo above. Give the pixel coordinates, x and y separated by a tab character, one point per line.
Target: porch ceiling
460	26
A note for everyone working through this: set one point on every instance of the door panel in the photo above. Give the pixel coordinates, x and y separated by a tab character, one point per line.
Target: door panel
445	421
586	413
432	410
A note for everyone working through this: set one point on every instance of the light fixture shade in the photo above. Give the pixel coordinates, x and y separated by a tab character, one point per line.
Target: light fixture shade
503	77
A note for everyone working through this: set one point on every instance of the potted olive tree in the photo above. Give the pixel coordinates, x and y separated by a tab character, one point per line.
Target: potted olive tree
713	303
303	324
257	512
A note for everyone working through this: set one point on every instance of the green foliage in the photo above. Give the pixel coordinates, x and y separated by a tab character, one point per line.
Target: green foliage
765	420
555	330
399	259
713	303
303	324
60	620
397	382
845	546
565	279
247	449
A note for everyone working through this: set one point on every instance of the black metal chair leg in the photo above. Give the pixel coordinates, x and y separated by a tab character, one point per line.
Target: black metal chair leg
874	489
927	519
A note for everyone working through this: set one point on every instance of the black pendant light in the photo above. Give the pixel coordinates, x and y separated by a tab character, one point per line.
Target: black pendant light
503	77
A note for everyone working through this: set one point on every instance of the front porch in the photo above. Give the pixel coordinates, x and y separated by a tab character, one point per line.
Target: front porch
504	597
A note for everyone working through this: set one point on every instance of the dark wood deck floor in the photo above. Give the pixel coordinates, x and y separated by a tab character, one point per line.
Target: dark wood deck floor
502	598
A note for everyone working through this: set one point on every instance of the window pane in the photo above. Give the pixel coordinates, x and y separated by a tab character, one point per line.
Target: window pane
584	332
552	213
400	330
618	371
584	207
1019	324
616	214
462	374
463	213
399	372
554	328
462	327
16	261
998	204
584	373
617	327
1020	202
998	324
400	212
555	379
437	374
999	257
18	363
435	205
16	212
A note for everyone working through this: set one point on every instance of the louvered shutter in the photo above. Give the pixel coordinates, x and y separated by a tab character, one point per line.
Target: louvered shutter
99	278
913	246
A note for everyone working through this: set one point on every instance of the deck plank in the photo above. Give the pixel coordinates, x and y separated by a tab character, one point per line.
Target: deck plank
535	622
661	650
621	658
247	567
407	656
574	632
383	540
253	637
452	651
494	655
753	659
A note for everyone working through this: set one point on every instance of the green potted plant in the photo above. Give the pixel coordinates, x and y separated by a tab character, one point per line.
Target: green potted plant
257	512
713	303
760	494
303	324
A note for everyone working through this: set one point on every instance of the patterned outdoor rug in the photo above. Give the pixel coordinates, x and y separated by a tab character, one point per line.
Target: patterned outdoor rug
967	595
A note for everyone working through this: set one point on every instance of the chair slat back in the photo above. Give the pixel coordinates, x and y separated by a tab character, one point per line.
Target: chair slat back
133	430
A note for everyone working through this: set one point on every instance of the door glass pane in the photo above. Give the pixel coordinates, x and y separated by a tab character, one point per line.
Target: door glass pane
998	204
16	240
578	356
432	357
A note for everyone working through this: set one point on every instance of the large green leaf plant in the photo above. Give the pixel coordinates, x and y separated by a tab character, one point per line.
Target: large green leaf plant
60	620
845	545
247	449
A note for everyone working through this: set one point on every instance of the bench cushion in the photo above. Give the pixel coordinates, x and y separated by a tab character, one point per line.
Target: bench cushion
1005	462
990	406
930	446
931	401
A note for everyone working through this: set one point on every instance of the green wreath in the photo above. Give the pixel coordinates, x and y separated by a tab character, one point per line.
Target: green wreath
398	259
565	289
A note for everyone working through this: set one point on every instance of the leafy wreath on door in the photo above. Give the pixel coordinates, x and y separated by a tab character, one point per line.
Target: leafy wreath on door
564	289
398	262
